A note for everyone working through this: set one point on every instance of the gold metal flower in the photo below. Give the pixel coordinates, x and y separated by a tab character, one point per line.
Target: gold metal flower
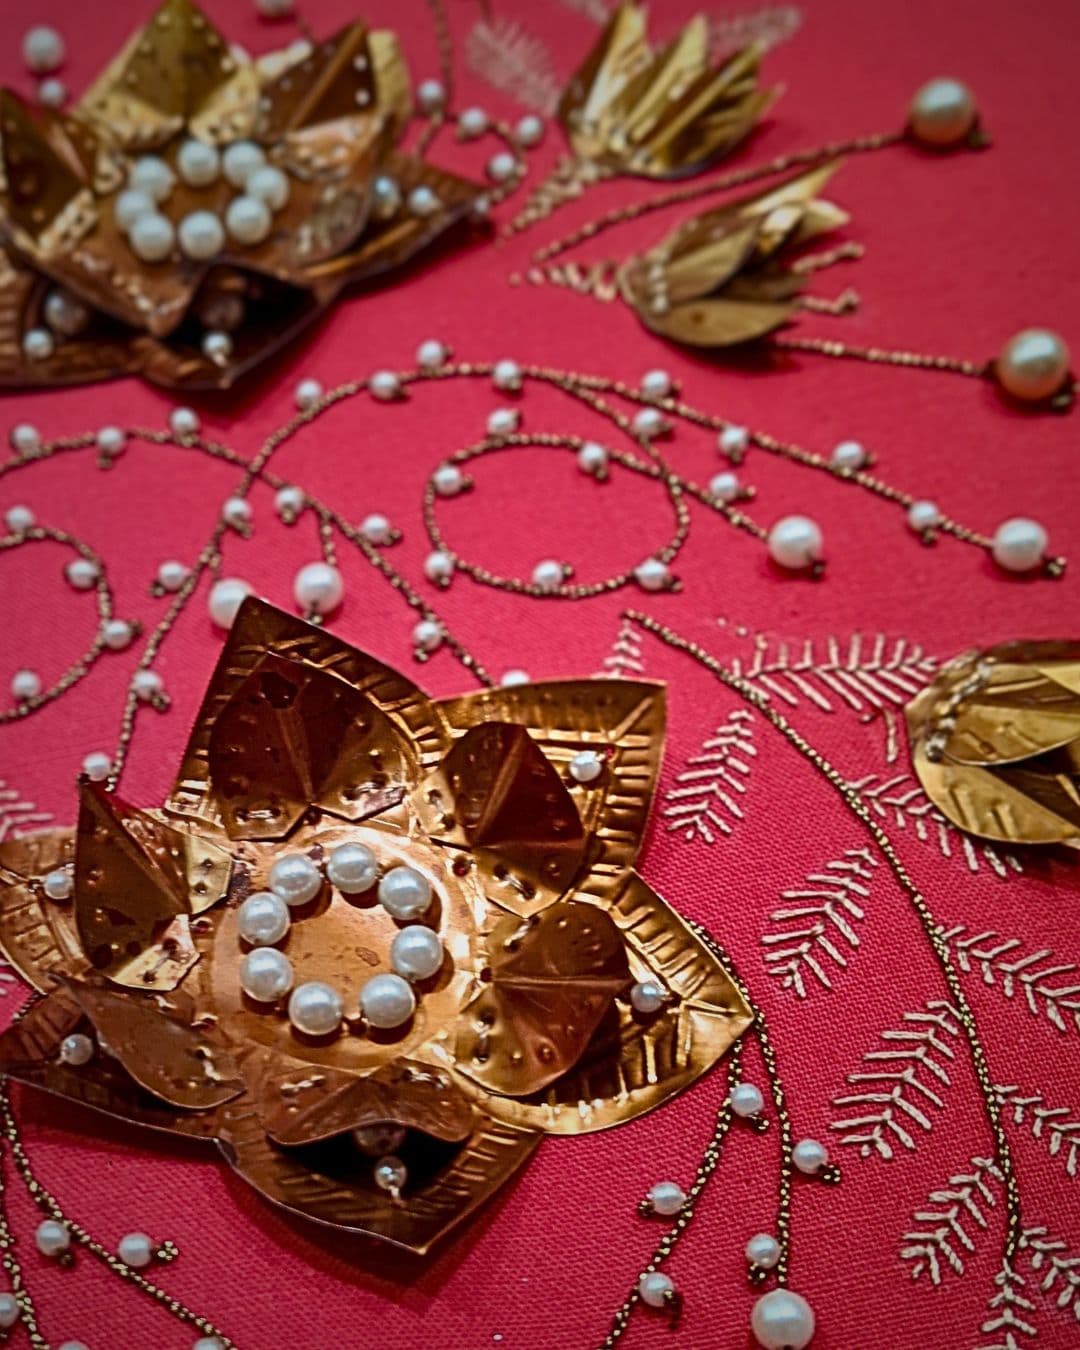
996	742
528	1028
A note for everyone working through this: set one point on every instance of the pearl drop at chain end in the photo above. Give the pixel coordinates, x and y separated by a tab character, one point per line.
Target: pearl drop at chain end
782	1320
1033	365
943	113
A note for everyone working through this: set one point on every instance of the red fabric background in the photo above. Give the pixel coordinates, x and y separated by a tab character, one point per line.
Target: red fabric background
961	252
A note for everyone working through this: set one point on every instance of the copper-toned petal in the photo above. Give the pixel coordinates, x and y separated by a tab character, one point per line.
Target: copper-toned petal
332	1183
44	200
37	936
720	323
620	52
552	980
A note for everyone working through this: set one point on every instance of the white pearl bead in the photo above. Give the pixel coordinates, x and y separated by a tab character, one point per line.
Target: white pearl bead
548	575
58	884
314	1008
448	480
427	636
512	678
52	1237
240	161
184	422
724	487
586	766
171	575
782	1320
198	163
352	868
592	458
295	878
268	185
130	205
667	1197
923	515
151	236
653	575
319	586
648	996
201	235
384	385
1019	544
308	392
376	529
150	174
385	197
208	1343
733	441
849	455
263	919
147	685
82	573
431	354
379	1139
439	566
38	344
267	975
655	1287
507	375
19	519
226	597
649	422
1033	364
795	542
503	422
111	441
416	953
404	893
763	1250
236	511
217	347
942	113
656	384
25	438
72	1345
529	130
502	166
423	202
473	122
65	313
431	96
809	1156
248	220
97	766
387	1000
52	93
9	1310
25	684
288	502
43	49
746	1099
390	1174
116	634
136	1250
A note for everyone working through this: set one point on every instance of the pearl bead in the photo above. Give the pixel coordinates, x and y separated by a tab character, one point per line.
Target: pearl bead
653	575
308	392
592	459
136	1249
295	878
379	1139
423	202
923	515
288	502
1033	364
848	455
236	511
52	93
58	884
809	1156
942	113
65	313
648	996
782	1320
724	487
439	566
208	1343
448	480
1019	544
733	442
268	185
82	573
390	1174
529	130
116	634
507	375
548	575
201	235
667	1197
376	529
314	1008
9	1310
240	161
795	542
473	122
147	685
416	953
25	438
97	766
129	206
387	1000
427	636
52	1237
184	422
501	167
152	175
248	220
319	587
217	347
746	1099
151	236
198	163
655	1288
385	197
503	422
111	441
763	1250
25	684
648	422
19	519
656	384
431	96
384	385
274	9
226	597
431	354
73	1345
38	344
267	975
263	919
512	678
586	766
404	893
171	575
352	868
43	49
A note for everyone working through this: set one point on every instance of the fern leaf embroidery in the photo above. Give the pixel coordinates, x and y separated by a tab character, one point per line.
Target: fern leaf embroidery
1055	1126
959	1214
1058	1272
515	62
1009	1312
1049	988
704	801
625	660
18	816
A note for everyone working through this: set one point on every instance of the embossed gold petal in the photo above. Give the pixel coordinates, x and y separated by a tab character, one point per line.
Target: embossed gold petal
38	937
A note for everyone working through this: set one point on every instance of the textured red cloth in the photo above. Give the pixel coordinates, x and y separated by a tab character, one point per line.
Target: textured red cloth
961	251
